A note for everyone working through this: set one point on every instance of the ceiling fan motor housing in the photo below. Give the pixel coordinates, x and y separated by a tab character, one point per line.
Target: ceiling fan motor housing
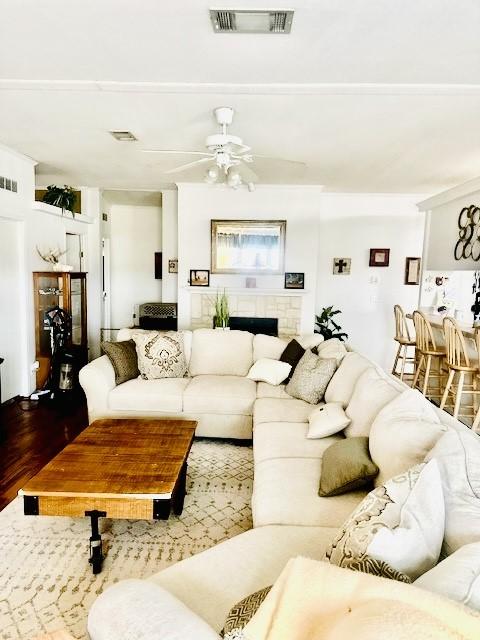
224	115
220	140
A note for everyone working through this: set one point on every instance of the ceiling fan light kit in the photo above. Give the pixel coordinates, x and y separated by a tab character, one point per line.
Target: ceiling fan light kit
228	156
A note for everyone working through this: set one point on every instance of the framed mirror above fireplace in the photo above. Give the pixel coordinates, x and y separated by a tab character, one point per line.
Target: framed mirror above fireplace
248	246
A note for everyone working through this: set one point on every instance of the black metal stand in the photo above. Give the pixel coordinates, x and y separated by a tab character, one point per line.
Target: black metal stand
96	551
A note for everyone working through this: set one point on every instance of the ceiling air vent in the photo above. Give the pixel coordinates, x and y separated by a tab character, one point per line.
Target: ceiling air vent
251	21
123	136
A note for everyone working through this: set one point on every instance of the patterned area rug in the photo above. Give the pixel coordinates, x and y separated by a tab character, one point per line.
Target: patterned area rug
46	581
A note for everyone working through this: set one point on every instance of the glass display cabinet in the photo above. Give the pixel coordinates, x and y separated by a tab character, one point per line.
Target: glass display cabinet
67	290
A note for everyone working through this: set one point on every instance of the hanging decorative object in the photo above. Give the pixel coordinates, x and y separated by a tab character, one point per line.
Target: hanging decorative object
468	243
476	299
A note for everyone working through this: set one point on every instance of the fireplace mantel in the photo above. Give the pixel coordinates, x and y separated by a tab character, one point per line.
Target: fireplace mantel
245	291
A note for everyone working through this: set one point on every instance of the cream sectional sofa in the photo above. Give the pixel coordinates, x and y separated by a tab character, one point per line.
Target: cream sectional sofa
216	392
289	517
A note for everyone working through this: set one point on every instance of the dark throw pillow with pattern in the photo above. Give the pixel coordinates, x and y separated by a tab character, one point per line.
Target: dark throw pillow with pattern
346	466
242	612
292	354
123	357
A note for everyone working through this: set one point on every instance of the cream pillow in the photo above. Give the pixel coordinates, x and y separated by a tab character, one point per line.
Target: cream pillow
400	524
268	370
332	348
402	434
457	577
160	355
326	420
371	393
341	386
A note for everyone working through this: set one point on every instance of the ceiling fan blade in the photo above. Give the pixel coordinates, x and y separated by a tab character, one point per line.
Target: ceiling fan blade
177	151
256	155
189	164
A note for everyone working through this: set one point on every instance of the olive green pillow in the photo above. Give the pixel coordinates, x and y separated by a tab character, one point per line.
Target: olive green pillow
123	357
346	465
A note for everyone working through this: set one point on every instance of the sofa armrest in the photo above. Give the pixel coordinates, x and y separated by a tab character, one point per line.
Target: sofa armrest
97	379
144	611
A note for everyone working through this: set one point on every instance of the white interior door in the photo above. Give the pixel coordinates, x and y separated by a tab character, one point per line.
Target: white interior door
74	251
106	301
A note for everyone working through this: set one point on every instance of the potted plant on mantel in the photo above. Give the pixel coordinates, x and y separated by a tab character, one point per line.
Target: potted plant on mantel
63	197
222	315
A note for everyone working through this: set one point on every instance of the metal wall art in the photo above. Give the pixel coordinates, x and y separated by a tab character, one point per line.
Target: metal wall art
468	243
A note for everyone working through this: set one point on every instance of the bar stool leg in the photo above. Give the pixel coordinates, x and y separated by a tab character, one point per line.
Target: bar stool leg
404	358
428	366
458	398
394	368
418	366
451	376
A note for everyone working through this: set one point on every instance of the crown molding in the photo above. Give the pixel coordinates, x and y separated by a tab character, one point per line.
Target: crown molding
449	195
288	88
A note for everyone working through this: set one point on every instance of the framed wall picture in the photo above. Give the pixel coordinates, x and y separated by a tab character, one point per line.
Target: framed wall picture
199	277
412	270
379	258
294	280
342	266
173	266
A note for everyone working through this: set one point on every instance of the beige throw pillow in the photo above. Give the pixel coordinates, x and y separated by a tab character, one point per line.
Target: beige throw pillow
332	348
371	393
326	420
310	378
267	370
400	523
160	355
402	434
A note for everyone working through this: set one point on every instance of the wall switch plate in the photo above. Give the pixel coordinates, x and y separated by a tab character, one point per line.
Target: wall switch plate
35	366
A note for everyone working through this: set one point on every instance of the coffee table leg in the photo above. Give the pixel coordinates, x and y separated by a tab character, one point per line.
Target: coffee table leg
180	491
96	551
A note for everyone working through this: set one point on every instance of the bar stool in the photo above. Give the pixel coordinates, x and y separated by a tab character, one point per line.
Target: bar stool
402	336
459	362
428	353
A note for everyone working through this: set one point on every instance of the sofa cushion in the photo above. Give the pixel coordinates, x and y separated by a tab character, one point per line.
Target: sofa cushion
287	440
286	492
126	334
340	387
400	523
310	378
281	410
332	348
310	340
210	582
267	347
346	465
163	394
265	390
458	453
403	433
457	577
372	392
221	353
220	394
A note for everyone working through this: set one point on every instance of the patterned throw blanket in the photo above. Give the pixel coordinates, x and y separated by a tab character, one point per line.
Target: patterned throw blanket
317	601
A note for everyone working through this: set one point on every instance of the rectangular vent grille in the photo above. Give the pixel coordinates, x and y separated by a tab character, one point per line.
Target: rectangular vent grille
8	184
251	21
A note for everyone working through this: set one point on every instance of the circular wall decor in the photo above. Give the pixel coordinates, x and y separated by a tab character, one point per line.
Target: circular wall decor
468	243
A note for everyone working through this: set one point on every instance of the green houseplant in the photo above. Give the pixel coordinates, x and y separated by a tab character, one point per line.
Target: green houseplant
222	315
63	197
326	325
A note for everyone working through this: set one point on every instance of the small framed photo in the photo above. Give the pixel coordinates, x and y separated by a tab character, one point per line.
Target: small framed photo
412	270
379	258
173	266
342	266
199	277
294	280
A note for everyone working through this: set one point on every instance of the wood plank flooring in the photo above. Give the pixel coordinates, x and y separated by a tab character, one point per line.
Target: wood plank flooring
30	436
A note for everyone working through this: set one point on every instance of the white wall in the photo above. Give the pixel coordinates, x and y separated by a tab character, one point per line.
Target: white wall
169	244
200	203
351	224
135	235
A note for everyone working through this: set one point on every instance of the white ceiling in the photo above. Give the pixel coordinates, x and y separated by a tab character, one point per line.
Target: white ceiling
372	95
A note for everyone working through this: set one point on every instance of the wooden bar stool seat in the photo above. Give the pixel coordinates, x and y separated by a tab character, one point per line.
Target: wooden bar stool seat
402	336
430	358
461	366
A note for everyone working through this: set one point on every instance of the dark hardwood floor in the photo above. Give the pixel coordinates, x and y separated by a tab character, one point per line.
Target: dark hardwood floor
31	434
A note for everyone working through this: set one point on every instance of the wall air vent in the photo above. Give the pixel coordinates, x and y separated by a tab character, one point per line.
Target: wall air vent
8	184
251	21
123	136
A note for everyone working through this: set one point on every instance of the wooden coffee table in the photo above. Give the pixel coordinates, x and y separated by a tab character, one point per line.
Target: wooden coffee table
116	468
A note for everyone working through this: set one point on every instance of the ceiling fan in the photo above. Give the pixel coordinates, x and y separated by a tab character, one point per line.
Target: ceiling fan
228	156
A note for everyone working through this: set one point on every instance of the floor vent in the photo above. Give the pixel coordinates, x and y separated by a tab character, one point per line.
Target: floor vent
8	184
251	21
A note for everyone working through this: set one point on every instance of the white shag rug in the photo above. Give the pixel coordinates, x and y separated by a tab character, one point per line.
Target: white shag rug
46	582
